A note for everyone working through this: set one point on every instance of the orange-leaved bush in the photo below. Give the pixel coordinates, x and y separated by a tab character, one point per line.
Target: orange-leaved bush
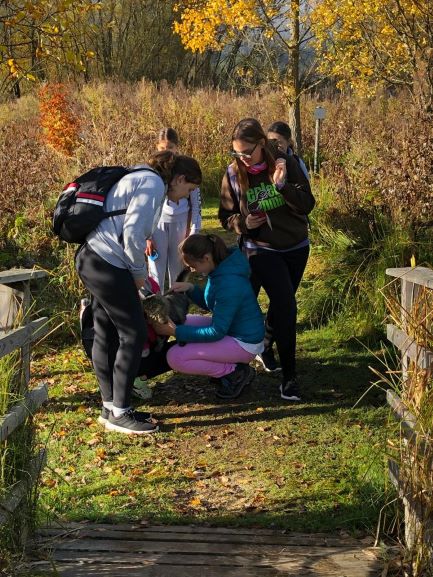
59	123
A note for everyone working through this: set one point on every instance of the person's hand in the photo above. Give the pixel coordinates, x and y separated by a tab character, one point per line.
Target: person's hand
279	176
254	220
150	247
181	287
166	329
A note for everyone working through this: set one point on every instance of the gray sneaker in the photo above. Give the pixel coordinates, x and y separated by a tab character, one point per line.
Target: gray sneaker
139	415
129	424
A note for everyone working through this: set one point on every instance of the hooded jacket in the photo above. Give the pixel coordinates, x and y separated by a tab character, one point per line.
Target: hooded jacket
229	296
286	208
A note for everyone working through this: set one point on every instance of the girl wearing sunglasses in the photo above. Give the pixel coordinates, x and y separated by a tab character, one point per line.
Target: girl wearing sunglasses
265	198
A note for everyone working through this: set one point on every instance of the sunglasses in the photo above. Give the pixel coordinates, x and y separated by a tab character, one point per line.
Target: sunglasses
246	155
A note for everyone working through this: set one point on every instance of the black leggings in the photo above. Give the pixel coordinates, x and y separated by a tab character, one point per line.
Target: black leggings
120	328
279	273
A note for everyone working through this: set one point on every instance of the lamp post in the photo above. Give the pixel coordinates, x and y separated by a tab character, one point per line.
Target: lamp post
319	115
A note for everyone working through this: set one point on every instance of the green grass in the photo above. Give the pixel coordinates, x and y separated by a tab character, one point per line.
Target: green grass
315	466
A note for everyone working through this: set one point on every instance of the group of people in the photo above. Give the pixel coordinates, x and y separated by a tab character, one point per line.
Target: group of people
265	199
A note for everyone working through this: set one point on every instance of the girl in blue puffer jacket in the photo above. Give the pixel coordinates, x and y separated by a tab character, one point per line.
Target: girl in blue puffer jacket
222	344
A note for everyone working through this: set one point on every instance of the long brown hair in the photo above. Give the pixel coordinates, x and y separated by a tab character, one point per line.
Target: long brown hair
168	165
250	130
196	246
169	134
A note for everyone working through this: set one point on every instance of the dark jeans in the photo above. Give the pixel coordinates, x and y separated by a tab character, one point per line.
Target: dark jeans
120	327
279	273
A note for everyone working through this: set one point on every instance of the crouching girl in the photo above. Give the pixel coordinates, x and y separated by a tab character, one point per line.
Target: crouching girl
221	345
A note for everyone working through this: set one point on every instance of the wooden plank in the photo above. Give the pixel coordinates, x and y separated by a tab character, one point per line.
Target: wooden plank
416	523
20	274
420	275
9	306
143	570
108	532
190	547
349	563
19	413
401	412
175	559
11	340
422	356
25	348
349	558
10	503
407	422
198	532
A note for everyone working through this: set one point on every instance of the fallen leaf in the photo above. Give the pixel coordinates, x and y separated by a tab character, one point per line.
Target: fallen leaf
93	441
101	453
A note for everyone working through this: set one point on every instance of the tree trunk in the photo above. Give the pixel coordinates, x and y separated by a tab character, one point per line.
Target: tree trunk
292	88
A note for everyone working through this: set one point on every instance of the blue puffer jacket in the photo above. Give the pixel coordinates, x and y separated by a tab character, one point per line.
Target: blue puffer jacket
229	296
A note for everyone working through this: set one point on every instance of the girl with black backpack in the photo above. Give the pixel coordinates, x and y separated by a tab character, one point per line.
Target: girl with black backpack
112	266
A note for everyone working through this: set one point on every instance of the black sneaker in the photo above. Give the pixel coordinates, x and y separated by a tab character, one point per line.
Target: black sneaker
230	386
290	390
268	362
130	424
139	415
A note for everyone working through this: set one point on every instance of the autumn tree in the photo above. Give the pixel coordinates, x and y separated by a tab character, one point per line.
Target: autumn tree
367	44
281	26
35	32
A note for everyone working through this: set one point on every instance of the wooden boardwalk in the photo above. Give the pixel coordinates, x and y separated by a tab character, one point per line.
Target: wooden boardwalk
78	550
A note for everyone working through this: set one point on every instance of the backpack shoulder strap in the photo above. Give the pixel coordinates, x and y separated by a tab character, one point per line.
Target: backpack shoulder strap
233	180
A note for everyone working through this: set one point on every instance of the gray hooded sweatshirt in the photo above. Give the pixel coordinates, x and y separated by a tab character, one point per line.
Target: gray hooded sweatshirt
121	240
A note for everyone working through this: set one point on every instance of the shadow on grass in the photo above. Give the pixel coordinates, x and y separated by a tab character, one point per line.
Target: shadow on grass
298	513
327	386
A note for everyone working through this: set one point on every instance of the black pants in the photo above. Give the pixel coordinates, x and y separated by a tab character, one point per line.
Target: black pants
120	327
156	362
279	273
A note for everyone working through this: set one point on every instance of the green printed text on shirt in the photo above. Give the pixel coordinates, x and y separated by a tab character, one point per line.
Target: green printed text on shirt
264	197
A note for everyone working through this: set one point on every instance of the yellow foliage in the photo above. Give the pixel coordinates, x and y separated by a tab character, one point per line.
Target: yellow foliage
209	24
370	40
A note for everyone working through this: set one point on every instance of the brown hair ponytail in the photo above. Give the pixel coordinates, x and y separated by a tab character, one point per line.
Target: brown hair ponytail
168	165
197	245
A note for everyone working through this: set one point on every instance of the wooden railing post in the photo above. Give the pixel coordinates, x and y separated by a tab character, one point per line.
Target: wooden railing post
415	359
15	308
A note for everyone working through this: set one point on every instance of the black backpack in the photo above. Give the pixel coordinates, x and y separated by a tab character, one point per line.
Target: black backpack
80	207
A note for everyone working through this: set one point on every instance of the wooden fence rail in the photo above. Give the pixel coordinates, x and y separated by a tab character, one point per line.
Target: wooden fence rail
15	301
417	359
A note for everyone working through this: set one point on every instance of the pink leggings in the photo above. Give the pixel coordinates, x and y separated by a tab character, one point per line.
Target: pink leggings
214	359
